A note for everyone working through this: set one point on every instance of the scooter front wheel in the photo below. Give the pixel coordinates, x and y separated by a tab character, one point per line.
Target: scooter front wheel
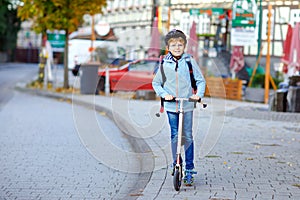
177	178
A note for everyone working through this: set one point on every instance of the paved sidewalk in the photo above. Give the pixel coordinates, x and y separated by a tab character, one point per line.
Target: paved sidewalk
242	157
243	151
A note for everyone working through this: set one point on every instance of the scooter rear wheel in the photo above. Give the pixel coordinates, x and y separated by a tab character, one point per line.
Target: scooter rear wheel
177	178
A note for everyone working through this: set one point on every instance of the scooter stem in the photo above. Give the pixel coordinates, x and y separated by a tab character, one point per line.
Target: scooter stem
180	125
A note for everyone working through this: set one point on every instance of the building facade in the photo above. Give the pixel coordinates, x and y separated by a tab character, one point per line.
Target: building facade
132	20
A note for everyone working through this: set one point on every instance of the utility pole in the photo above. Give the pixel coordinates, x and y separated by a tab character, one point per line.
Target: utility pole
93	38
169	15
267	71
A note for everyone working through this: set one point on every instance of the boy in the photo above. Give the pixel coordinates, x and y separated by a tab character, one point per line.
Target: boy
177	83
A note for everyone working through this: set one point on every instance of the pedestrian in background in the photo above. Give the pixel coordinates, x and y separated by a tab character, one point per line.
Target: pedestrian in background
174	80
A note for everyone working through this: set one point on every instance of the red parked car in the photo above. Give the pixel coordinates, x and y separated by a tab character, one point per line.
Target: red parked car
133	76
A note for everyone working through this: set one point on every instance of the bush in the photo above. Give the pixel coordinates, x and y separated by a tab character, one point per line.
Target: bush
259	81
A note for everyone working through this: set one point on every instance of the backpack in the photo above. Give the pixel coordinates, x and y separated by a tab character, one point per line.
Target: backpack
192	78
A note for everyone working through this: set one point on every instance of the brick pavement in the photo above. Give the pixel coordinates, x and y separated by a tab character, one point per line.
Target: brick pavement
252	154
255	157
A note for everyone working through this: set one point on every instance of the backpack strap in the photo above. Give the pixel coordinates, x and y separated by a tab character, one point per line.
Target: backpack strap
162	71
163	82
193	81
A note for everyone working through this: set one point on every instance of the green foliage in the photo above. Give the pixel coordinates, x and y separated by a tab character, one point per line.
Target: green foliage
3	12
64	15
9	27
58	14
259	81
206	35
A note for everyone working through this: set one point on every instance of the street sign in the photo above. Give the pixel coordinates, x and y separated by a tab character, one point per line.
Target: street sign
102	28
57	40
209	11
244	13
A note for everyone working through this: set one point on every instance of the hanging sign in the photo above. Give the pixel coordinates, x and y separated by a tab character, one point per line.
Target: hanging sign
244	13
57	40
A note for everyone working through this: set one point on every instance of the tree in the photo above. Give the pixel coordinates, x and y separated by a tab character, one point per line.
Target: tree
9	27
64	15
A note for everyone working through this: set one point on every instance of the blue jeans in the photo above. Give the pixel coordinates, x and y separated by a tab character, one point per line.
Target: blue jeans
187	137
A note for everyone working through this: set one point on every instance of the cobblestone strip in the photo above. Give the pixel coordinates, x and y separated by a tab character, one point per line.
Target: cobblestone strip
257	113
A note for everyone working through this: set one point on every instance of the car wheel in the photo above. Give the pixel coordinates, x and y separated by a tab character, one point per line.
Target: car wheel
101	84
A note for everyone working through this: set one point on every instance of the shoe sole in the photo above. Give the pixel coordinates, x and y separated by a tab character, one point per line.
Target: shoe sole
188	184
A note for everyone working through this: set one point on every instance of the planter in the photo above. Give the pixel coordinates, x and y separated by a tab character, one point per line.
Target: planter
256	94
224	88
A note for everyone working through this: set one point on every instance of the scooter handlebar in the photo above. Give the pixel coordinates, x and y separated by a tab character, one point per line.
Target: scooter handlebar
186	99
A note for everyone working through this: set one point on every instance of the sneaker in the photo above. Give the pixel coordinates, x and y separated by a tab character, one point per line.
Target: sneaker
188	177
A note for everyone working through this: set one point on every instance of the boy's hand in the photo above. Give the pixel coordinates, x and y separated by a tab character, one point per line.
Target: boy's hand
168	97
195	97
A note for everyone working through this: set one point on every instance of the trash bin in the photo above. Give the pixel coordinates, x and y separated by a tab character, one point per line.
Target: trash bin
294	80
293	99
280	100
88	78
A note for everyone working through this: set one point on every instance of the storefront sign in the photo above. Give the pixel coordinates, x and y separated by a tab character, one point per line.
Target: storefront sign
243	37
244	13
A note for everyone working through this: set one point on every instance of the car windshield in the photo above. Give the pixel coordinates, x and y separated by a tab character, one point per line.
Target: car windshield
143	65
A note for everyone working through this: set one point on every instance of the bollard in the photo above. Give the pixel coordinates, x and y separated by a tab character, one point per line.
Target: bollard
107	86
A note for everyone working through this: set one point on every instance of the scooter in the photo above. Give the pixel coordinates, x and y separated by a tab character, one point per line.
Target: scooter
177	177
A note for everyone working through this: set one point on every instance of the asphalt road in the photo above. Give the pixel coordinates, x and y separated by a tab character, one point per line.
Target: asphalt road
10	74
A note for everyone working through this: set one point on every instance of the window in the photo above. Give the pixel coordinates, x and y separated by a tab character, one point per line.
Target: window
295	16
143	65
277	51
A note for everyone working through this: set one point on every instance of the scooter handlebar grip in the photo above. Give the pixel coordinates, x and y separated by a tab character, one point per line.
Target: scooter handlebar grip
195	100
172	100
